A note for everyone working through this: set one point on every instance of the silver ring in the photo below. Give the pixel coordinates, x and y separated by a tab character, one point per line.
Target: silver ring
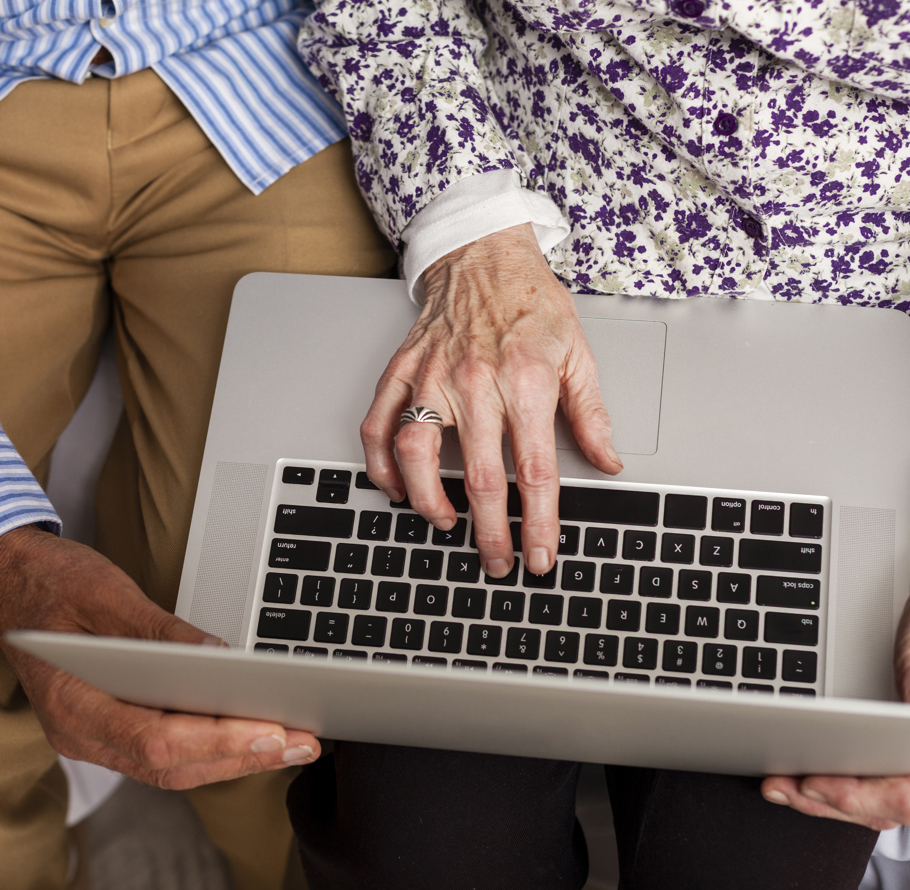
419	414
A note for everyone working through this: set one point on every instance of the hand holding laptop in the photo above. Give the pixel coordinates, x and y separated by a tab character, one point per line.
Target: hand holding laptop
50	583
497	346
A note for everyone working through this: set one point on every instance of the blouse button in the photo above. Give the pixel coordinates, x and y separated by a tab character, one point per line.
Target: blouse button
726	124
752	227
691	9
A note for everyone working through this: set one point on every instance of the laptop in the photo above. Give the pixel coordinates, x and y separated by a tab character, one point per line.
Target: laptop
727	603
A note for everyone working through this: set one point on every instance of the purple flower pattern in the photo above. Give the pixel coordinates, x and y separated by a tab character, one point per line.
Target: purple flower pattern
695	147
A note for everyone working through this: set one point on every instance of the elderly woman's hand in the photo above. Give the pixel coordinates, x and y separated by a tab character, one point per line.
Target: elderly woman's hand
497	347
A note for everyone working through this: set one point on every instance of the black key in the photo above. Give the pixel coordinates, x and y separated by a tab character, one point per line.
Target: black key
279	588
388	561
369	630
611	505
362	481
445	636
515	533
407	633
463	568
767	518
317	590
677	548
305	556
561	646
500	667
693	585
349	655
673	681
799	667
714	684
284	624
545	608
314	522
780	556
331	627
469	602
484	639
601	649
578	575
623	615
390	658
568	540
788	593
298	475
702	621
411	529
507	605
655	581
685	511
732	588
334	486
426	564
662	618
454	489
642	679
719	660
466	665
546	671
797	630
639	653
756	687
795	690
601	542
311	652
429	661
584	611
716	551
374	526
740	624
431	600
393	596
545	582
639	545
513	500
454	537
680	656
271	648
351	559
617	578
728	515
807	520
509	580
759	664
582	674
355	593
522	642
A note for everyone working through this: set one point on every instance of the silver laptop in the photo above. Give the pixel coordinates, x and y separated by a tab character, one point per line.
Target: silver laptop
729	602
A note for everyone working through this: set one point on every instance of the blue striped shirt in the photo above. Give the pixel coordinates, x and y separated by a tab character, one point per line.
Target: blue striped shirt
21	499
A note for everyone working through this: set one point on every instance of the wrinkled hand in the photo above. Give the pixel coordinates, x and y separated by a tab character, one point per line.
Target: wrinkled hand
497	347
877	803
47	583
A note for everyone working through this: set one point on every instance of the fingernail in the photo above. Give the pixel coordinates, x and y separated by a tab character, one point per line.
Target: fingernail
215	641
267	743
299	754
813	795
395	495
497	568
611	453
538	560
776	797
445	524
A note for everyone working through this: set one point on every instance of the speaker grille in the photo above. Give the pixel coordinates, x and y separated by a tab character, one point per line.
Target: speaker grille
228	549
865	603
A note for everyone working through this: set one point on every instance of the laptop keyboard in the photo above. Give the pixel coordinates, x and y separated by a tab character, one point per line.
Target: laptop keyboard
657	585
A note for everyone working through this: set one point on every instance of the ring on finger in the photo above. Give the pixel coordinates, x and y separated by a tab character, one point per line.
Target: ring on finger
420	414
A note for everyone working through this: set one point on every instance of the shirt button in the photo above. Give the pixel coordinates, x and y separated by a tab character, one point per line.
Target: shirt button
105	23
726	124
752	227
691	9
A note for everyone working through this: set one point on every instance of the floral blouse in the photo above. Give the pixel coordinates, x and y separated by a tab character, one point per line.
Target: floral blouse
695	146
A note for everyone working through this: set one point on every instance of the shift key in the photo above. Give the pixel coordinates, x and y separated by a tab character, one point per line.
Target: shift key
780	556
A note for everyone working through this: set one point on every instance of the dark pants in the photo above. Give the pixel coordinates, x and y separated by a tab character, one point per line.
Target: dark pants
391	818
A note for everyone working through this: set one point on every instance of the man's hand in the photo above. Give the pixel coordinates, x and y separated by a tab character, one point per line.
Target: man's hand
47	583
877	803
497	347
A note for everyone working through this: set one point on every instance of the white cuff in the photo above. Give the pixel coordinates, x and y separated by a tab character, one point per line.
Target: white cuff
470	209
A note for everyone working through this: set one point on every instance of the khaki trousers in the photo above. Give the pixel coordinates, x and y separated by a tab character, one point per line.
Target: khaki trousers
116	210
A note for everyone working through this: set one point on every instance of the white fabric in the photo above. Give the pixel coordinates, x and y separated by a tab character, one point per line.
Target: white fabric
889	867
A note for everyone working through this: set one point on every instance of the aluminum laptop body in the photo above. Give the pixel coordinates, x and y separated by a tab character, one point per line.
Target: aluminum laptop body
801	406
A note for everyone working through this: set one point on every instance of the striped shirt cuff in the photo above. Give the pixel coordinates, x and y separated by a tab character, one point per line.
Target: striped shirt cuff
22	500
